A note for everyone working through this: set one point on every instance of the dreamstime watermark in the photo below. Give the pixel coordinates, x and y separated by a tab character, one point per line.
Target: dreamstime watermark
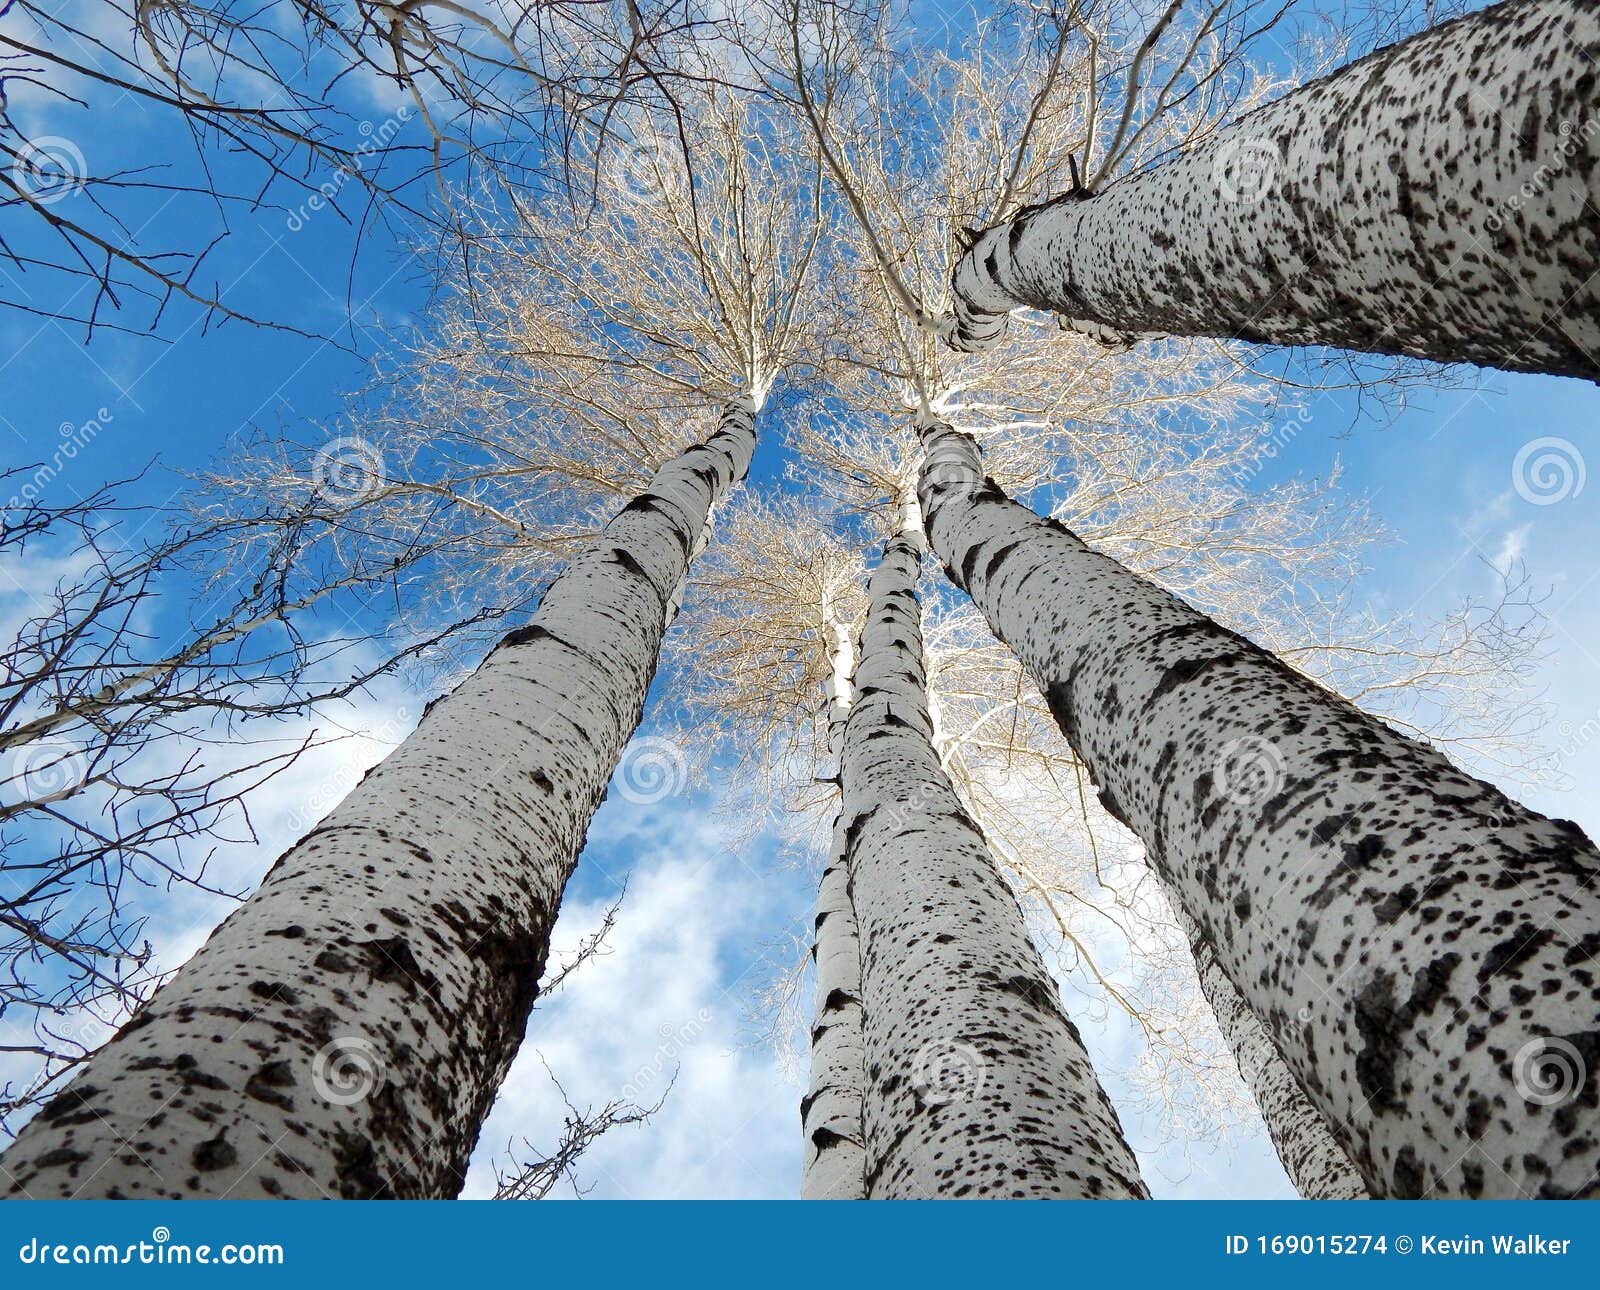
88	1033
674	1039
1573	140
1248	770
948	471
1548	1071
45	770
333	789
1270	440
374	140
639	172
946	1071
75	436
1551	771
652	770
49	169
895	818
1548	470
348	469
1246	170
160	1250
347	1070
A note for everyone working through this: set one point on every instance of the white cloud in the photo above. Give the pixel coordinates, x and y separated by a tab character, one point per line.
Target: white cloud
1513	547
669	997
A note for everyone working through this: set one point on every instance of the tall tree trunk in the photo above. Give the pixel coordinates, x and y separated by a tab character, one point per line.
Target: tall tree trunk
830	1115
1315	1162
344	1031
1420	948
1436	198
976	1082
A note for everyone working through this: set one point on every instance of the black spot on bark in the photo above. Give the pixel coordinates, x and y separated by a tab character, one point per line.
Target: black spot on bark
1186	670
626	559
1409	1179
1518	948
213	1154
267	1084
525	635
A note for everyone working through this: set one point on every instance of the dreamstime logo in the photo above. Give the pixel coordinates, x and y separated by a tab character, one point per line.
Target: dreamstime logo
1246	170
332	790
347	1070
640	172
1269	441
652	770
89	1033
49	169
1548	470
1249	771
1574	139
946	1071
1551	771
348	469
75	437
944	472
46	770
674	1039
375	141
1548	1071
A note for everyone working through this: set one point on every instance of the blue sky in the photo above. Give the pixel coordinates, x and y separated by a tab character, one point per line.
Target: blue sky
701	916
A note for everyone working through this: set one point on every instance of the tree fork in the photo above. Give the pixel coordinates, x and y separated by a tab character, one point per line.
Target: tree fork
1420	948
344	1031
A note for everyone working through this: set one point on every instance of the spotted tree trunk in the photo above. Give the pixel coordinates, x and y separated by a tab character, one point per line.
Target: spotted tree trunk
344	1031
834	1157
976	1081
1420	948
1436	198
1315	1162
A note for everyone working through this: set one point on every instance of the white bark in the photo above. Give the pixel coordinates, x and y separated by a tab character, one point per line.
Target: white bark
976	1082
1315	1162
1435	198
830	1115
344	1031
1420	948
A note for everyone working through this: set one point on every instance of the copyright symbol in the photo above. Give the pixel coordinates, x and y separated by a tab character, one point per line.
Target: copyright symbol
1402	1245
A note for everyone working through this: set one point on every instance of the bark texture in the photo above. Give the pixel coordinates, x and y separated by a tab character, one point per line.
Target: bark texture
1420	948
834	1157
344	1031
1436	198
976	1082
1315	1162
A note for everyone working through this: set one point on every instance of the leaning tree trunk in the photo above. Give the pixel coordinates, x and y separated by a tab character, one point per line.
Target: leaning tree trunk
830	1114
1420	947
344	1031
1436	198
976	1081
1312	1157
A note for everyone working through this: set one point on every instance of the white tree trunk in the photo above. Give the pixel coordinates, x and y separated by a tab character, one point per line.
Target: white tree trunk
344	1031
1435	198
976	1082
834	1165
1420	948
1311	1156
